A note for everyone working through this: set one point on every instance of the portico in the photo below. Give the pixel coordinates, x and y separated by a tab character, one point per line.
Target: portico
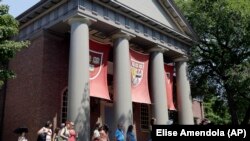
164	37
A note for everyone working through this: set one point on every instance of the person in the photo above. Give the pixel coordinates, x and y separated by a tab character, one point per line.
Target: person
64	133
56	134
119	133
96	133
61	127
205	121
21	131
45	133
59	138
130	133
22	137
104	136
152	122
72	132
170	122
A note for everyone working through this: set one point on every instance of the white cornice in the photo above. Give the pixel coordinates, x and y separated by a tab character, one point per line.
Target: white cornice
34	9
181	21
191	36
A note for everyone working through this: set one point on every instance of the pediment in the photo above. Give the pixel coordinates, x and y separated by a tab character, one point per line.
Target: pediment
162	12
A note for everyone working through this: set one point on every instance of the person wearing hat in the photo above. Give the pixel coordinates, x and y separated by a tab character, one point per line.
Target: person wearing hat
21	131
22	137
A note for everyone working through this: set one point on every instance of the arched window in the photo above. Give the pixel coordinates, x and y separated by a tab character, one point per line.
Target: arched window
64	106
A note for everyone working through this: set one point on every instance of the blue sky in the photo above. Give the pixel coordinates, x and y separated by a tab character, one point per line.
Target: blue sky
18	6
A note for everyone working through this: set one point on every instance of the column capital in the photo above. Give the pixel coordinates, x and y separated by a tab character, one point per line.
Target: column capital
181	59
158	48
122	34
87	20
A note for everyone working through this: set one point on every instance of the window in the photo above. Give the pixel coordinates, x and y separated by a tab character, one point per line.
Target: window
64	106
144	117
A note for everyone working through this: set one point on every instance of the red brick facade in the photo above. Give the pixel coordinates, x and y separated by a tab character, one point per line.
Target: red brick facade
198	111
34	96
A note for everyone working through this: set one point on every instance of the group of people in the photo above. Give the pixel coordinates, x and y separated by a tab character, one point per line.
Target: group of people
206	121
65	133
119	133
101	133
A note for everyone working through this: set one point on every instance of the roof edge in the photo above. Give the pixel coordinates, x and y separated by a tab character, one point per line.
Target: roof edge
134	11
31	9
181	18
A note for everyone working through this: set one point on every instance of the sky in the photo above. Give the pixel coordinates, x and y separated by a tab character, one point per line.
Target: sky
18	6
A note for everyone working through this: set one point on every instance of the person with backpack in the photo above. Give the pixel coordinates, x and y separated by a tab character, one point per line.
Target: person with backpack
64	133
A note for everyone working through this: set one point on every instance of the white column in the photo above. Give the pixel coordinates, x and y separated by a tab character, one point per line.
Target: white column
184	99
78	79
158	86
123	111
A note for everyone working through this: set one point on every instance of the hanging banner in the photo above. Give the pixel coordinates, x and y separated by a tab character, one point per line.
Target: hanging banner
169	71
98	63
139	77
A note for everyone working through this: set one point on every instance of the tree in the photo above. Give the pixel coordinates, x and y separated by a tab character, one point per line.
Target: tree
220	61
8	47
218	116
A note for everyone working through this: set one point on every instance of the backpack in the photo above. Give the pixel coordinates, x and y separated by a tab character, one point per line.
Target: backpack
60	138
41	137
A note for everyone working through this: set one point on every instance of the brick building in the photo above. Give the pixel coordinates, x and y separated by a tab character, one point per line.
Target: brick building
54	81
198	110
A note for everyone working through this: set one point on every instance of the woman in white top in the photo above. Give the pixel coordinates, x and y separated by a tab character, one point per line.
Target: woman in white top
22	137
46	130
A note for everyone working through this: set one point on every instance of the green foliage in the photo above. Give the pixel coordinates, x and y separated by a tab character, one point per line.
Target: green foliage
218	116
8	47
242	6
220	61
238	81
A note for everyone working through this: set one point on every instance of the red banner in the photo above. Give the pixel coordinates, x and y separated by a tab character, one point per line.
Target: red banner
98	63
139	77
169	70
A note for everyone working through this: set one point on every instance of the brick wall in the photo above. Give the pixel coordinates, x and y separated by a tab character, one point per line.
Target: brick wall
34	96
198	111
